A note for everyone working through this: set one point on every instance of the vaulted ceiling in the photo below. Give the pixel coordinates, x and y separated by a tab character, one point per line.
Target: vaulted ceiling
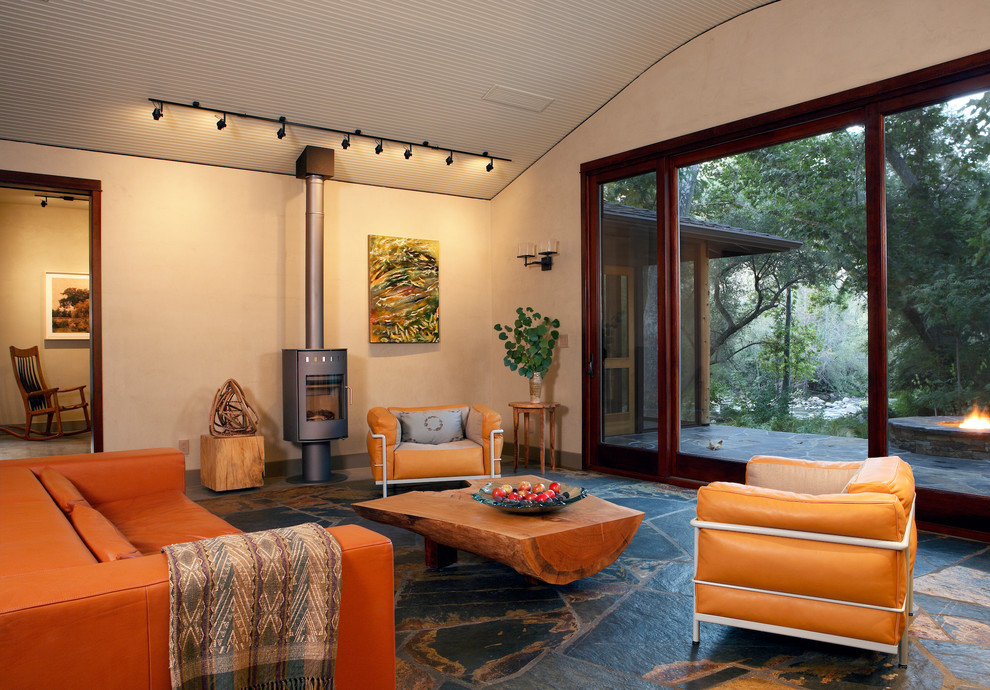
510	78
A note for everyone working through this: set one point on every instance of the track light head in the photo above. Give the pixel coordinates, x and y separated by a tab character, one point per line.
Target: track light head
158	112
491	165
222	122
346	142
44	202
450	158
281	131
407	154
379	147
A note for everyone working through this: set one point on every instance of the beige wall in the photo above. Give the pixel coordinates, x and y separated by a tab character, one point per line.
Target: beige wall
203	280
33	241
781	54
457	370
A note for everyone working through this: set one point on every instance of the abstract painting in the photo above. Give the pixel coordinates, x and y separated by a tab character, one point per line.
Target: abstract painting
404	289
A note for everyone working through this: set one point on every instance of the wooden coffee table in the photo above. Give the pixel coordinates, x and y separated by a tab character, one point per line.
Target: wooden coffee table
557	548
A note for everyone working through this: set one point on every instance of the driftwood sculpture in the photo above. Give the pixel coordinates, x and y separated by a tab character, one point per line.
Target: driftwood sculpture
232	414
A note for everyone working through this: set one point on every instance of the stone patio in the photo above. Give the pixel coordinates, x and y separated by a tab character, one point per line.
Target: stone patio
961	475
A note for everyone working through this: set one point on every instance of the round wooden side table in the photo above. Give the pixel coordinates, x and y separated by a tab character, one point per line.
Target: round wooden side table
547	411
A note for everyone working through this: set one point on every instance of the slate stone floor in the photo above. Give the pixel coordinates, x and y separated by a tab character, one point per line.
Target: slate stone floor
480	624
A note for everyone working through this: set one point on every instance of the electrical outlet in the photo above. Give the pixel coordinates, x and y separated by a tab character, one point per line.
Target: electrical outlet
184	446
562	340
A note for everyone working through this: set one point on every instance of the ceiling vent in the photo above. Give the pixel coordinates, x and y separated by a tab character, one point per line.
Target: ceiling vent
503	95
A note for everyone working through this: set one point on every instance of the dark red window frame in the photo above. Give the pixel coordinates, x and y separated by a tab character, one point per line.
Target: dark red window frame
960	514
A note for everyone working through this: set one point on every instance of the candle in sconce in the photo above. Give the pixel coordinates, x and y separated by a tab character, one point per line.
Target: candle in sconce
526	249
549	246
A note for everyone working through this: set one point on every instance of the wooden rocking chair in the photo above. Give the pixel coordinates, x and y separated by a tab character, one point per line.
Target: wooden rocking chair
40	400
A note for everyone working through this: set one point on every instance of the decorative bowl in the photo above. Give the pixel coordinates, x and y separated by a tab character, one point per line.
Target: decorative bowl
573	494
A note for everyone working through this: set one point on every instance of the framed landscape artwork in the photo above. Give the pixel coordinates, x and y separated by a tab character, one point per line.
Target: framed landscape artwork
403	290
66	311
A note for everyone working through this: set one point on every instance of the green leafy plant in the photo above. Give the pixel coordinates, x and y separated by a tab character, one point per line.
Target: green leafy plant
529	342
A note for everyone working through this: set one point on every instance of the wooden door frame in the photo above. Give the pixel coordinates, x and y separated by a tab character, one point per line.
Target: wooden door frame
93	190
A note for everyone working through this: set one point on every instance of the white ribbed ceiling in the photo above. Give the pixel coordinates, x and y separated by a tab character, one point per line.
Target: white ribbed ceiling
79	73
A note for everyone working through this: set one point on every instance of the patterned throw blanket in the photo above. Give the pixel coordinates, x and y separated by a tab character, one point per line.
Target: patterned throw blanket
255	611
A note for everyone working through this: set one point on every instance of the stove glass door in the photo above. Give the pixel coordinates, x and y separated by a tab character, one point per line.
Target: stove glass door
324	397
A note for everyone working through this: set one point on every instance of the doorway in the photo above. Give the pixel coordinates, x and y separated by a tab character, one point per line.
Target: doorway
50	235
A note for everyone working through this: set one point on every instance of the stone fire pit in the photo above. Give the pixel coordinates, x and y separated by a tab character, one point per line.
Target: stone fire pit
939	436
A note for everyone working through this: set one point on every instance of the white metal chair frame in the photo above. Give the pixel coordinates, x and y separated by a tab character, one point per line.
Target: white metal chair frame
903	545
423	480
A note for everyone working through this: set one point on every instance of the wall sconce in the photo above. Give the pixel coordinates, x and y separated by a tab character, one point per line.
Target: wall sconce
545	249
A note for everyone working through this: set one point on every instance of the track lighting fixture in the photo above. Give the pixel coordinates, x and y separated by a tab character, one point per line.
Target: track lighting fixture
65	197
345	143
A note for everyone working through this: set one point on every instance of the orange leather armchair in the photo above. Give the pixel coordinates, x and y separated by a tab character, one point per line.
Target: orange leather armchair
395	461
820	550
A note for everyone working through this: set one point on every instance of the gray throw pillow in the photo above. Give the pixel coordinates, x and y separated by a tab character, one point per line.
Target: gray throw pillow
474	426
431	426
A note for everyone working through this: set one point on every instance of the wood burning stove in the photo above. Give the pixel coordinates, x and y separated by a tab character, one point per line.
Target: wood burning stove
314	394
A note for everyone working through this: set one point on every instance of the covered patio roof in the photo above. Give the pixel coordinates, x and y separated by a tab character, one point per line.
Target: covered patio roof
722	240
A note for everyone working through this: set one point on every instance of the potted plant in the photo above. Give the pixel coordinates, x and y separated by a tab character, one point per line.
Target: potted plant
529	344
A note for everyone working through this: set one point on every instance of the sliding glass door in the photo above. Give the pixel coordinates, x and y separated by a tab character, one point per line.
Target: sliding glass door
938	291
623	364
817	289
773	307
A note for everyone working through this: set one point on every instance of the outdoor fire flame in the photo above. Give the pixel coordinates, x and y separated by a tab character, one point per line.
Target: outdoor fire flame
976	419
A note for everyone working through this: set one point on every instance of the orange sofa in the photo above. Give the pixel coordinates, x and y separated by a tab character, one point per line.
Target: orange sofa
69	620
821	550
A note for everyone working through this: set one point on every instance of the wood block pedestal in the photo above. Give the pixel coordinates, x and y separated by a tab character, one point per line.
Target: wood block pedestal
231	462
